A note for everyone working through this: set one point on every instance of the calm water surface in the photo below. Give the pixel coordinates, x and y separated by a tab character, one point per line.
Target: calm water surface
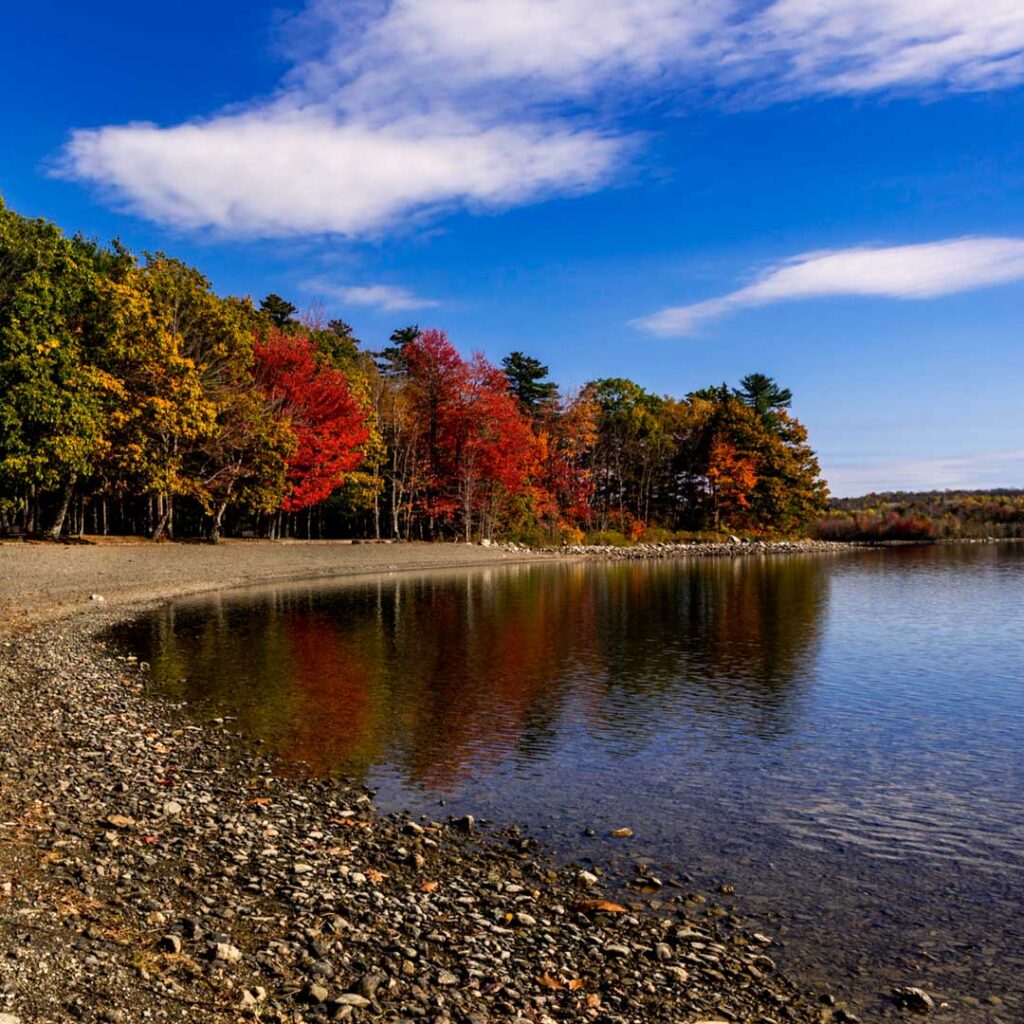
840	737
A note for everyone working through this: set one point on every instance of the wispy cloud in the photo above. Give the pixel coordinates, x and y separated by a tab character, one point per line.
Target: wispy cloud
401	108
896	272
383	296
968	472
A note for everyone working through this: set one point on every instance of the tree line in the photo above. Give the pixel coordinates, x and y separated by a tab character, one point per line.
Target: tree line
926	515
134	399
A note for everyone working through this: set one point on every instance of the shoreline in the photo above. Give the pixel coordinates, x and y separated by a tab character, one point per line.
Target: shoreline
152	867
44	581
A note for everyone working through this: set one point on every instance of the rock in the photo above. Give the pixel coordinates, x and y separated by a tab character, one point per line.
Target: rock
169	944
915	999
368	985
465	824
315	994
98	599
663	951
119	821
621	833
9	1018
172	808
587	878
226	953
252	997
352	999
447	978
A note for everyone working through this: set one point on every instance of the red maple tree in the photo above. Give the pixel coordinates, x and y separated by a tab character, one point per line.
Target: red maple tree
328	422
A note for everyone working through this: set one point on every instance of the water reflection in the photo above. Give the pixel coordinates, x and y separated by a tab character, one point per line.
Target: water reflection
448	675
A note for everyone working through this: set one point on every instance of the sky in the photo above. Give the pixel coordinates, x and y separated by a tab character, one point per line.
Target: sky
676	191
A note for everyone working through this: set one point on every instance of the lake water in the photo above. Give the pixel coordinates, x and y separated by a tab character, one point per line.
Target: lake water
839	737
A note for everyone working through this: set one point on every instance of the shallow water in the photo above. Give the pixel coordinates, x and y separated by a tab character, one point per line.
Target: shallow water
837	736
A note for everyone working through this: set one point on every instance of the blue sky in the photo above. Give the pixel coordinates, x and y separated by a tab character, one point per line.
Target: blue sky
678	191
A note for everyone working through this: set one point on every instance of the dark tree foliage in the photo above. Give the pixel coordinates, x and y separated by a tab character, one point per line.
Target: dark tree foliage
281	311
763	394
526	380
391	360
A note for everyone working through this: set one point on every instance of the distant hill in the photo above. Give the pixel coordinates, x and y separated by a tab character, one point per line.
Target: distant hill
923	515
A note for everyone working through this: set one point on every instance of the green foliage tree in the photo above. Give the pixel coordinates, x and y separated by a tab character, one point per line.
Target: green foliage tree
280	311
52	399
527	381
764	396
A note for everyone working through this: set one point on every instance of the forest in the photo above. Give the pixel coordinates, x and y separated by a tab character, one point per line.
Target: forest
135	400
926	515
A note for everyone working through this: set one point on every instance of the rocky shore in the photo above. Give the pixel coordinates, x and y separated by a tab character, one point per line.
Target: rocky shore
733	549
153	868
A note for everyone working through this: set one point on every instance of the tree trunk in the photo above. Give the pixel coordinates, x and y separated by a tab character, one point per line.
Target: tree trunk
163	517
218	522
57	527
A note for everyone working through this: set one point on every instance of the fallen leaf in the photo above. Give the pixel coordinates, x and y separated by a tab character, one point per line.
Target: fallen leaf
575	984
375	876
598	906
546	981
428	886
593	1000
259	801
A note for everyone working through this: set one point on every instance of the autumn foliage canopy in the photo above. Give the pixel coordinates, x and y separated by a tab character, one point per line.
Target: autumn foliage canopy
135	399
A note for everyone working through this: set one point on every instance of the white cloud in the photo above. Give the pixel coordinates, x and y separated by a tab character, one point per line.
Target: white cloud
841	47
955	472
396	108
896	272
278	172
384	296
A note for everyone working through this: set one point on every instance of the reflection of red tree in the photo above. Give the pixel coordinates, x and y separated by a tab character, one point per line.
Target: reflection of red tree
447	678
500	649
334	673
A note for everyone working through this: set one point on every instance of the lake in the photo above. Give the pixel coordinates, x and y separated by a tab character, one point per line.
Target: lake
838	737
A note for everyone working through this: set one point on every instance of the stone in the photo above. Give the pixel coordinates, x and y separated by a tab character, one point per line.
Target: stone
352	999
368	985
9	1018
915	999
314	993
587	878
226	953
170	944
663	951
447	978
465	824
172	808
119	821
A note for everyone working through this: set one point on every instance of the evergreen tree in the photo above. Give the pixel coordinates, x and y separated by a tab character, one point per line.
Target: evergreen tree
281	312
526	380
